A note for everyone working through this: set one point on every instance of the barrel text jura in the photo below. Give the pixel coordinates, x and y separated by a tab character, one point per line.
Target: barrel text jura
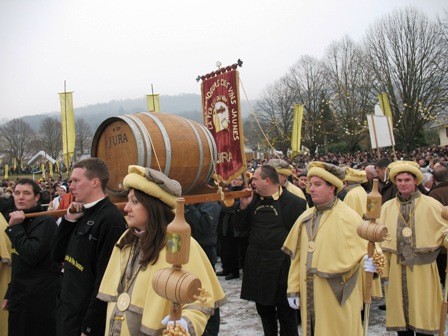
116	140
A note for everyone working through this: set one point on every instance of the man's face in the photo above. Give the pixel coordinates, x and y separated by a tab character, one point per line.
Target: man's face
24	197
258	184
406	183
381	172
80	186
303	182
321	193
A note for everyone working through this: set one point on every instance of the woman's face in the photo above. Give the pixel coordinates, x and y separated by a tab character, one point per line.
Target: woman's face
137	215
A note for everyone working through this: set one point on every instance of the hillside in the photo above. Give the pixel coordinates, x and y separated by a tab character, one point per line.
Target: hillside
186	105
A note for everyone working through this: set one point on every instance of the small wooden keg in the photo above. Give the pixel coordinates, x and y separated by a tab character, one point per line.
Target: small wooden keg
371	231
176	285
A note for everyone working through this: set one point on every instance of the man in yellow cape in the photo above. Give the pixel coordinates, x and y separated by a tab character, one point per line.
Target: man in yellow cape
326	255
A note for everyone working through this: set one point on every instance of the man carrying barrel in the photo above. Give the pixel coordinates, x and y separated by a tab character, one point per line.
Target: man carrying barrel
84	242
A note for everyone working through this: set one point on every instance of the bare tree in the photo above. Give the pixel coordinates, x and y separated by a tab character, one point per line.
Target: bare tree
50	136
351	87
18	139
84	137
308	83
405	50
275	109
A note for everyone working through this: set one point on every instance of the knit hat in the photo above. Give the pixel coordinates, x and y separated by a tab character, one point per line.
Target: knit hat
153	183
329	172
354	175
281	166
398	167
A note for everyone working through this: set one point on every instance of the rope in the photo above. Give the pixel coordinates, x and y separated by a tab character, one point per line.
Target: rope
252	111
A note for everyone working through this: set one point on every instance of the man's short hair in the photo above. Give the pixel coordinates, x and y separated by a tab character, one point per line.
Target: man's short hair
440	174
95	168
271	172
36	189
382	163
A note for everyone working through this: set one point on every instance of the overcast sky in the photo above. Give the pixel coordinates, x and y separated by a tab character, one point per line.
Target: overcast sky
114	49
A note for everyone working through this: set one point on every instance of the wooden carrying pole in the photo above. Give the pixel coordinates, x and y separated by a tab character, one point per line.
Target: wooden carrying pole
189	199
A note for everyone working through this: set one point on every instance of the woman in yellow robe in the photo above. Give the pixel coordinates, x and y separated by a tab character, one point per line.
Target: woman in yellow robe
5	272
140	253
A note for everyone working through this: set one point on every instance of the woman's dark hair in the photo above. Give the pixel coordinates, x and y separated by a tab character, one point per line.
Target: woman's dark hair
154	238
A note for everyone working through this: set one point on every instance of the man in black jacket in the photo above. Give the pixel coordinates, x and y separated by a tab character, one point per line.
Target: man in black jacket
84	242
35	277
269	214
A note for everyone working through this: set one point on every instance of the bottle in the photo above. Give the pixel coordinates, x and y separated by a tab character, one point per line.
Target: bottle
374	201
178	234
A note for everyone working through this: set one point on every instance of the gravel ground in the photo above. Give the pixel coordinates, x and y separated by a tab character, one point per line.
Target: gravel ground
239	317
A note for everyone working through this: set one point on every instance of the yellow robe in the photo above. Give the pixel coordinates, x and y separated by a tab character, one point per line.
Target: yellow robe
424	295
147	308
295	190
337	256
356	198
5	272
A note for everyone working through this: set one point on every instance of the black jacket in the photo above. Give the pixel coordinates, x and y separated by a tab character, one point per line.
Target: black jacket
266	267
85	248
35	277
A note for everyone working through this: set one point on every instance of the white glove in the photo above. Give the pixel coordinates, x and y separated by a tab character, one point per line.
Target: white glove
181	322
294	302
369	265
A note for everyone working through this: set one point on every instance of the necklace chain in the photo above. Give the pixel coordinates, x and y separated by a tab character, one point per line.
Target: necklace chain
128	281
411	214
312	236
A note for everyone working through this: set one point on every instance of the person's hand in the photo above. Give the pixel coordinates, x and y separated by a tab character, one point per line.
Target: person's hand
294	302
181	322
16	217
5	304
75	211
369	265
245	201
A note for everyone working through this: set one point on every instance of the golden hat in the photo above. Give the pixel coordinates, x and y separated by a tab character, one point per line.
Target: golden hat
329	172
355	175
153	183
398	167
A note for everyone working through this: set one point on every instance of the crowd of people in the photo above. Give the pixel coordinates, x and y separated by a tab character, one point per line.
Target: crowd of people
294	241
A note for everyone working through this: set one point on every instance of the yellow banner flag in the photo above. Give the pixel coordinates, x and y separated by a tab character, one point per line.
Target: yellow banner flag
385	105
42	167
153	102
68	126
296	136
6	171
14	164
51	169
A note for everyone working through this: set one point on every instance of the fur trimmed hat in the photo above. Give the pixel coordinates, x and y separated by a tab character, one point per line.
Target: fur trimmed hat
329	172
153	183
398	167
281	166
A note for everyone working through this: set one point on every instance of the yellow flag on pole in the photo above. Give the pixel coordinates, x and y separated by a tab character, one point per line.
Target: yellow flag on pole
14	164
385	105
153	102
68	126
296	136
42	168
6	171
51	169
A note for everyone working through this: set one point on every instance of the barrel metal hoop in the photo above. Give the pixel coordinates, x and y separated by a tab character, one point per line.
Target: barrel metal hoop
147	150
138	137
213	152
201	154
166	140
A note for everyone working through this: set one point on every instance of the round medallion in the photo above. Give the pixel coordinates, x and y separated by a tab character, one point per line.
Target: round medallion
406	232
123	302
311	246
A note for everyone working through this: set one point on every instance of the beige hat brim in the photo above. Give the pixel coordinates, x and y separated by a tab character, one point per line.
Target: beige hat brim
329	177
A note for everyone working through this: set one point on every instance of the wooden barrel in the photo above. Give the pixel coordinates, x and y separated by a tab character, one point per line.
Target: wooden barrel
182	149
176	285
